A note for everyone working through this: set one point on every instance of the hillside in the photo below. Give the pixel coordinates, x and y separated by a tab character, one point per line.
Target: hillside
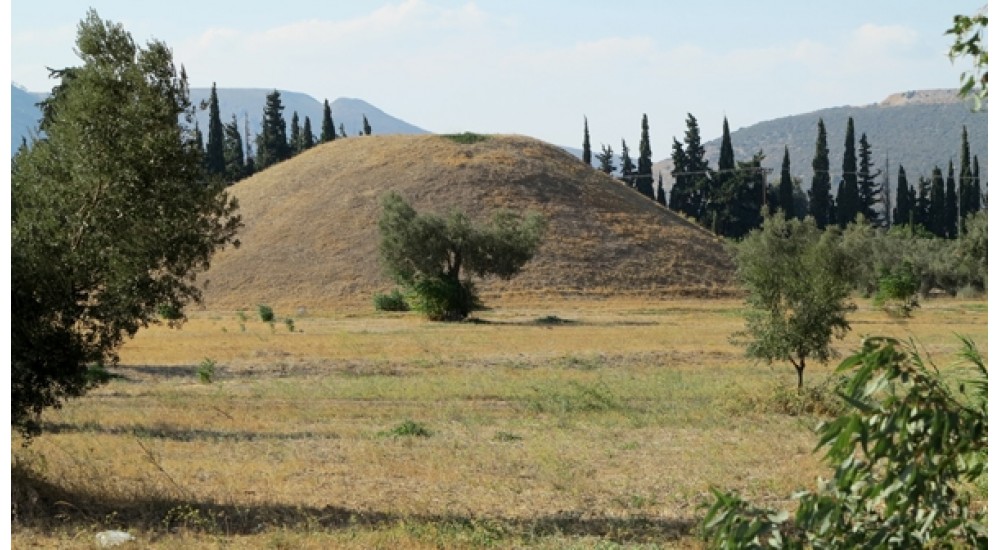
918	129
311	223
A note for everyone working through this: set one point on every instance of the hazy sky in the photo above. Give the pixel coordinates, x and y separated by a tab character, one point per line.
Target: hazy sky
535	67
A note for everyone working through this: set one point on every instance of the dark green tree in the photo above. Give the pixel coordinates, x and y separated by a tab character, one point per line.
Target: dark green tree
976	200
272	142
435	257
819	193
951	204
786	196
586	142
720	192
869	190
295	135
235	167
628	167
328	131
365	127
111	217
606	159
644	173
922	204
848	198
938	205
661	195
308	139
215	161
343	132
903	213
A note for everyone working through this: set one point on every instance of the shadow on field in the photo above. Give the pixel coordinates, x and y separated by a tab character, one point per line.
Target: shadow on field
180	434
40	505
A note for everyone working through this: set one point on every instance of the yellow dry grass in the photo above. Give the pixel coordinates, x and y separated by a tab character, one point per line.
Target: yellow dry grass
553	423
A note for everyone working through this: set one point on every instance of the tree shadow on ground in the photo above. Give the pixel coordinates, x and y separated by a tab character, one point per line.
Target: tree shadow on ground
40	505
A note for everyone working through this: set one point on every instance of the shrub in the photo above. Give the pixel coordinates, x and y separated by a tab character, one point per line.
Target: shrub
393	301
266	313
290	324
408	428
466	138
206	371
903	458
897	290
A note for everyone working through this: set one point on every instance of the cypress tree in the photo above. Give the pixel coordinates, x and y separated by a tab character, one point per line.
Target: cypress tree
901	214
720	195
308	139
343	132
366	128
848	199
586	142
681	192
937	212
786	192
295	137
922	204
965	192
819	194
628	167
272	143
235	168
215	159
328	131
869	195
696	167
661	195
644	180
951	204
976	193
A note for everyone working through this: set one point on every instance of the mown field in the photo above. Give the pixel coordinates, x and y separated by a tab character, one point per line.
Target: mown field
552	424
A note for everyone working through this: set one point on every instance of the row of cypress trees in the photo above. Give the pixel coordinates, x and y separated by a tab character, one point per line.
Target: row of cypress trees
226	156
730	199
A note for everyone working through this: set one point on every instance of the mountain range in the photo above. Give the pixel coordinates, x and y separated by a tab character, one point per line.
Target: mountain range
915	129
246	104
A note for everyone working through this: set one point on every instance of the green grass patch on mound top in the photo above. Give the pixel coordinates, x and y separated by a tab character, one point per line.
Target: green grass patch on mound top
466	138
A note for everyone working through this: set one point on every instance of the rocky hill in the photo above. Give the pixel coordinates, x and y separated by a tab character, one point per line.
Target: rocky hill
311	233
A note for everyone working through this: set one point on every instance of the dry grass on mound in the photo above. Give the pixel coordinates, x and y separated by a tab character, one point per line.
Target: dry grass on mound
311	223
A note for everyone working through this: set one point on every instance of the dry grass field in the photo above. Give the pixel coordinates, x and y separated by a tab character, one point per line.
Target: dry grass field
546	422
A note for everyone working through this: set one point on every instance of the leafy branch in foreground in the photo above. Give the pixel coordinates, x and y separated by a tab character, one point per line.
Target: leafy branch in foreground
905	459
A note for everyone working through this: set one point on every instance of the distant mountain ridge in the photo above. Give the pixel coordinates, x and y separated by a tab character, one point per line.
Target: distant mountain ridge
247	104
917	129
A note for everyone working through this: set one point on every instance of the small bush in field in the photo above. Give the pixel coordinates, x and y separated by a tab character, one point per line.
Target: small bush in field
408	428
393	301
897	290
206	371
290	323
266	313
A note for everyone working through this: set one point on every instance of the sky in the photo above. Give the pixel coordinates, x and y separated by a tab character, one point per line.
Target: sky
535	67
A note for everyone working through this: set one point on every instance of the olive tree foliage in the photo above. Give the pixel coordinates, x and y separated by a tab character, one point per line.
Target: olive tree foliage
907	458
798	289
435	257
111	217
970	34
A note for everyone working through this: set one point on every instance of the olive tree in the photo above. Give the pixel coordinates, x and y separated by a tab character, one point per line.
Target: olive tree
435	257
798	288
111	217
